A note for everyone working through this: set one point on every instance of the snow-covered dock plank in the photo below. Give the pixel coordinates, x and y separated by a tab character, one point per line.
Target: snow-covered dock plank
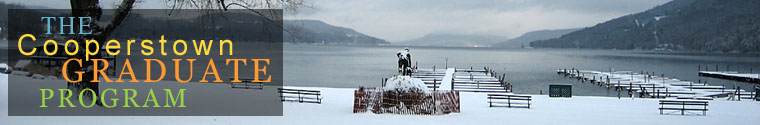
446	83
732	75
640	82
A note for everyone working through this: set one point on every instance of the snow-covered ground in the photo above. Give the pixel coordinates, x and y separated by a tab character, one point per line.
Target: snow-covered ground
336	108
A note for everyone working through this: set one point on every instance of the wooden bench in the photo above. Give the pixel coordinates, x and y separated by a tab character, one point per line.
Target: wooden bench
247	84
509	101
683	106
301	96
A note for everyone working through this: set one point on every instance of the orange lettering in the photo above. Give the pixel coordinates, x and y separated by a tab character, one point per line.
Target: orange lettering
131	73
147	71
65	70
176	70
257	70
213	68
236	61
101	71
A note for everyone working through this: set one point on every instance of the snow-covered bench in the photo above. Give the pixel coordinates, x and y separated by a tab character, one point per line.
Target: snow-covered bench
298	95
247	84
684	105
509	101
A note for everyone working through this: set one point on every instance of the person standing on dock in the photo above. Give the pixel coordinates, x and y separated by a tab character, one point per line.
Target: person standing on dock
404	61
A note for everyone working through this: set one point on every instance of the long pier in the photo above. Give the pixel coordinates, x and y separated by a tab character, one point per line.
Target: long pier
656	86
464	80
732	75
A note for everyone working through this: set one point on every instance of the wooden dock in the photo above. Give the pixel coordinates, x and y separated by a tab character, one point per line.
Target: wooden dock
464	80
654	86
732	75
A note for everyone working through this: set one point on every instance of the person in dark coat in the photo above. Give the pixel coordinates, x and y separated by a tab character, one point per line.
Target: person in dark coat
404	61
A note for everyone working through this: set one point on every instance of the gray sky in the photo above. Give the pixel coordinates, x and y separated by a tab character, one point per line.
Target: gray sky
398	20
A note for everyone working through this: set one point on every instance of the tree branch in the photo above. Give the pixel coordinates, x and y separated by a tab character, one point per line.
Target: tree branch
121	13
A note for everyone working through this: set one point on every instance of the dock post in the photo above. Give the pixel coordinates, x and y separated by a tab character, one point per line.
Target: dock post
666	92
447	63
657	93
646	79
757	93
630	88
691	87
699	68
608	80
383	82
452	83
653	90
739	93
504	77
435	86
723	90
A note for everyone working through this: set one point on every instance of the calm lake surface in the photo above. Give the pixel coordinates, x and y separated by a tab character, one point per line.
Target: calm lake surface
530	70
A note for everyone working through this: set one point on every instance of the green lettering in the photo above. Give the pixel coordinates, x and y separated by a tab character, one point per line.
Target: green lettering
94	98
68	95
180	98
44	92
128	98
103	100
151	98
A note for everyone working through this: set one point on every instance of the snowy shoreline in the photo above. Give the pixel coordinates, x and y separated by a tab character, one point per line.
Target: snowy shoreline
338	102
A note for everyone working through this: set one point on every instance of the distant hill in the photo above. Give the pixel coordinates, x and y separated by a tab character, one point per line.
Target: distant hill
4	16
314	31
306	31
679	25
453	40
525	39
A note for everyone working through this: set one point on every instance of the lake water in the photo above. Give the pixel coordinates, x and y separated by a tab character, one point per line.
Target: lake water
530	70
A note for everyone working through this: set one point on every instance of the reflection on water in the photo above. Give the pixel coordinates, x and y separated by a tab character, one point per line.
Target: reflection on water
530	70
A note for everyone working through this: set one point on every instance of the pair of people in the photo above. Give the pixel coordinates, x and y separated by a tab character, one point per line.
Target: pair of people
404	62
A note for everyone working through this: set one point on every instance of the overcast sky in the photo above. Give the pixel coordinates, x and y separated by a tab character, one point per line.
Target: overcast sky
398	20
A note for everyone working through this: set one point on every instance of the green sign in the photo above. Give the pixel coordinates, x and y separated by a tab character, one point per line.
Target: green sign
560	90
